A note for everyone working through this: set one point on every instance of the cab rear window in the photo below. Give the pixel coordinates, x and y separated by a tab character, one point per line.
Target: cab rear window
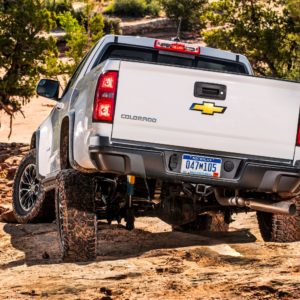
174	59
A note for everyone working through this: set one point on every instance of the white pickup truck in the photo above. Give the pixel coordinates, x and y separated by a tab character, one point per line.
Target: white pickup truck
167	129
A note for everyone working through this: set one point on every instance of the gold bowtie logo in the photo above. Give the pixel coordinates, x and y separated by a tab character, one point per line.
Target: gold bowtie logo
208	108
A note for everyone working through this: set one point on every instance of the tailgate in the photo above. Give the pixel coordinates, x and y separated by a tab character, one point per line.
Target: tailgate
156	104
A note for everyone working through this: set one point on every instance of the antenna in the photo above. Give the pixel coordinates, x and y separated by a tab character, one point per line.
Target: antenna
177	37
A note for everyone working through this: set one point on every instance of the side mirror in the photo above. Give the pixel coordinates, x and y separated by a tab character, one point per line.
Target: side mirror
48	88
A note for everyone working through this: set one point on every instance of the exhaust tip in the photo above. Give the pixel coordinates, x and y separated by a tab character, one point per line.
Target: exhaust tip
292	209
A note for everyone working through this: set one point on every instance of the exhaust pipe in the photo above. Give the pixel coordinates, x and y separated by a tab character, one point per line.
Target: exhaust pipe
283	207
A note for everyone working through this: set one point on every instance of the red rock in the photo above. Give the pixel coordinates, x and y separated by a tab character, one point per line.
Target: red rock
10	183
3	157
3	209
8	217
11	173
4	166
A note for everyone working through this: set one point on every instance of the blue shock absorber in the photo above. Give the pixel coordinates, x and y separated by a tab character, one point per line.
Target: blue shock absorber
130	212
130	185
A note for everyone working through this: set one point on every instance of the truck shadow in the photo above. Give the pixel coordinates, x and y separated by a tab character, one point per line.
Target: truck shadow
40	244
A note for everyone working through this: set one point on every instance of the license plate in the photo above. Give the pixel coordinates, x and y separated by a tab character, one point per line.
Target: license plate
201	165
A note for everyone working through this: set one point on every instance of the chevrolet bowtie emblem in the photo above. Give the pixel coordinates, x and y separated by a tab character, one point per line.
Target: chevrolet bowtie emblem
208	108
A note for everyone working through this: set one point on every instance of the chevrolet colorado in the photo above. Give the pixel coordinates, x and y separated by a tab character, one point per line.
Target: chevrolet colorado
168	129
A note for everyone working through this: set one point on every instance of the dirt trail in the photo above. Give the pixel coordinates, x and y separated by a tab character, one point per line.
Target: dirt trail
150	262
35	113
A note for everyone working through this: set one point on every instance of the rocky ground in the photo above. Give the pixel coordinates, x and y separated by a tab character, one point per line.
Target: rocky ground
10	157
150	262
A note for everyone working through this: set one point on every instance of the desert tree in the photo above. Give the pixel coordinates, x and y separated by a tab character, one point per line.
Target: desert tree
186	13
265	31
25	51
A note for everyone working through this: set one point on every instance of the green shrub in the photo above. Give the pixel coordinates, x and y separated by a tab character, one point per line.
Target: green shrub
80	16
128	8
60	7
153	8
97	27
188	11
76	37
133	8
112	25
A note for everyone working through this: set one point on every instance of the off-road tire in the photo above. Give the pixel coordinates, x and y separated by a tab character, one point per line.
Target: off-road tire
130	219
43	209
64	153
212	222
280	228
76	217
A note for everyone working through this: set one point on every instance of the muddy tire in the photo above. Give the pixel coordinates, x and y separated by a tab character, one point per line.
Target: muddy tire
280	228
76	217
212	222
130	219
64	153
30	202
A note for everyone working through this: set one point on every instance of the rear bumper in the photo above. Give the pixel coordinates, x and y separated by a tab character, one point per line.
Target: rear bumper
244	173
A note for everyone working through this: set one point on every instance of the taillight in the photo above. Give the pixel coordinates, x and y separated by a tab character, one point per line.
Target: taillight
177	47
298	135
104	103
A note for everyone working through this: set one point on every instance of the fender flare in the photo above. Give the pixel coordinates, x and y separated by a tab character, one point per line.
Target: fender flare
36	139
33	141
71	118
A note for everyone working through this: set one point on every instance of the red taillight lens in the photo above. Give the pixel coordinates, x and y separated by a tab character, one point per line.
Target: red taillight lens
298	135
104	104
177	47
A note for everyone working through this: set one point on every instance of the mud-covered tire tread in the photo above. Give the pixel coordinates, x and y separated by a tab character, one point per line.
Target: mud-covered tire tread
64	153
76	217
265	225
212	222
280	228
130	219
43	210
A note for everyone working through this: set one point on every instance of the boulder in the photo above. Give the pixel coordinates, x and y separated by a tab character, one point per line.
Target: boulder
8	217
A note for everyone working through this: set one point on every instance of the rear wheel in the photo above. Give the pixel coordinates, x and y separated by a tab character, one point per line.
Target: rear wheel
280	228
211	221
76	217
30	202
